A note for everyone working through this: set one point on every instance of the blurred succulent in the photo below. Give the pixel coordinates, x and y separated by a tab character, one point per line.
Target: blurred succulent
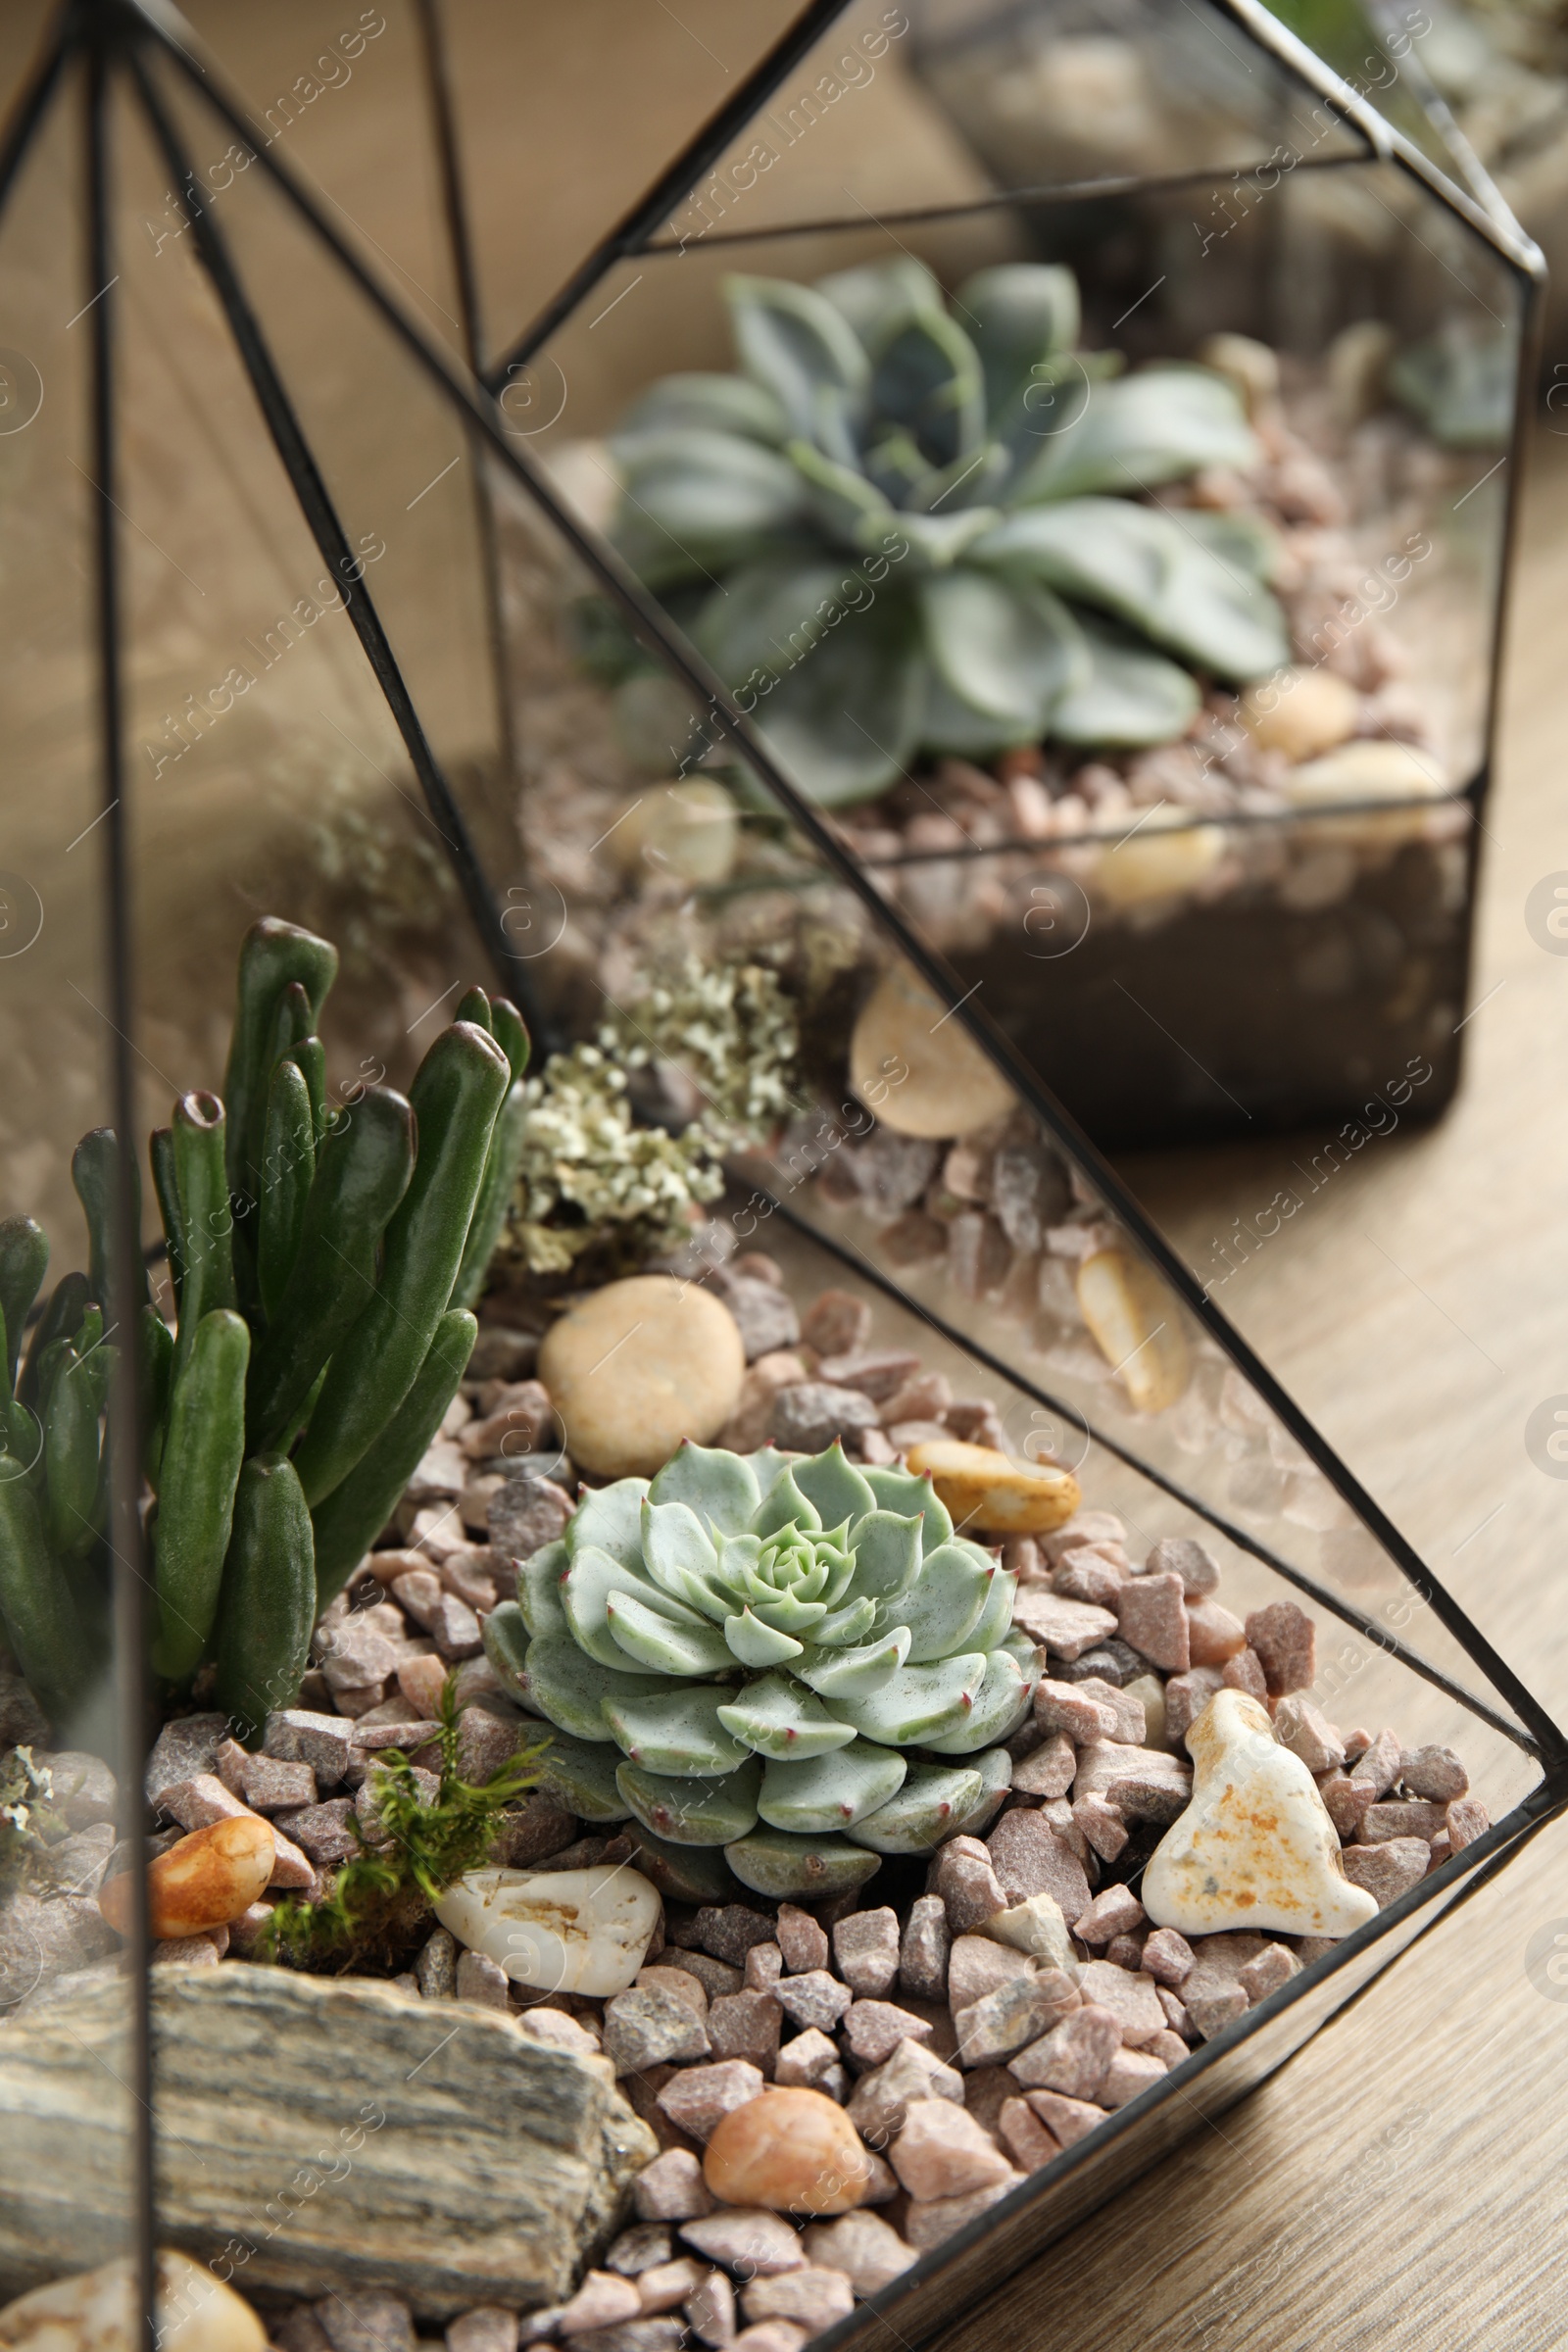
906	529
797	1659
323	1263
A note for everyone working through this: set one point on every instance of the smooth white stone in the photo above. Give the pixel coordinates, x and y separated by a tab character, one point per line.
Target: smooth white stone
564	1931
1256	1847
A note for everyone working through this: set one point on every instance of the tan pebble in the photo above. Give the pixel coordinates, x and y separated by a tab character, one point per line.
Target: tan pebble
1256	1847
1372	768
638	1366
792	2151
93	2311
1135	1320
203	1882
984	1489
1253	368
686	829
922	1074
1166	853
1300	713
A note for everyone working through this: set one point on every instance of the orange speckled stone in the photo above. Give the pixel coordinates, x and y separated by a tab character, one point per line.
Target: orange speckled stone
205	1881
793	2151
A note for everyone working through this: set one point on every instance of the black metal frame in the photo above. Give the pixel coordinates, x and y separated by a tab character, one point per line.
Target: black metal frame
116	41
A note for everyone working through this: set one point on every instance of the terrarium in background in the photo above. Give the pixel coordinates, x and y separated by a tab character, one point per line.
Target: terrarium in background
1083	437
757	1087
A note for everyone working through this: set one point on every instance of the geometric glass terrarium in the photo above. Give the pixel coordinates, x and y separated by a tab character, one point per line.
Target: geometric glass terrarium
865	1789
1083	436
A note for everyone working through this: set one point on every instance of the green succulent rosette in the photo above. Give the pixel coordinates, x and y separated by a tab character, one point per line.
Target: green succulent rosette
909	530
787	1656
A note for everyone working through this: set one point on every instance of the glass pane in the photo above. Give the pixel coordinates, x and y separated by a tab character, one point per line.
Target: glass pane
70	1703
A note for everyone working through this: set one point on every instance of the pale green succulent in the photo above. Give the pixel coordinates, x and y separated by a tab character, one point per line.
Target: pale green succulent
797	1659
906	529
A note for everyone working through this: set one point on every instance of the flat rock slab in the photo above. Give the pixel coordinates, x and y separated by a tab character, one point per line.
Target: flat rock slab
329	2132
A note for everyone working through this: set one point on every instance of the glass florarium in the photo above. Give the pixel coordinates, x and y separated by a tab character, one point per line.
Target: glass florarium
1082	441
666	1681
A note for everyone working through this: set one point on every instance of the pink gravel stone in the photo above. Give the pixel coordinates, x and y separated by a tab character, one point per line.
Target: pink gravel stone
747	2238
814	1998
1115	1911
802	2063
1084	1527
671	2188
874	2030
1151	1615
710	2309
977	1966
483	1980
603	2300
664	2284
1144	1784
1346	1801
1126	1951
269	1786
1066	1627
836	1323
745	2025
1100	1826
1131	1999
933	2221
1276	1964
1467	1820
1065	1707
1245	1672
1402	1817
1067	2120
863	2246
1087	1575
1213	1991
1129	2073
1179	1556
924	1952
1434	1772
1129	1717
882	2098
1168	1956
1168	2047
1307	1734
1386	1871
1073	2056
865	1947
1186	1697
1049	1769
800	1940
965	1879
765	1965
808	2298
1213	1634
1177	2016
1025	2136
768	2335
197	1803
943	2152
696	2096
678	1982
1378	1767
1284	1640
1028	1858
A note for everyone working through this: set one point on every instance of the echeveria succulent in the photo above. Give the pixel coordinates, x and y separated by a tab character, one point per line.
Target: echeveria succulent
774	1640
906	529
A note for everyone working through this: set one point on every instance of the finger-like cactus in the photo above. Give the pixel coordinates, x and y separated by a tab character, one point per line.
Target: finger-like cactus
317	1257
776	1640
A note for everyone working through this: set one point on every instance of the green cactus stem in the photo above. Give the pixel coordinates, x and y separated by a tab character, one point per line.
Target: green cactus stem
23	1263
349	1520
358	1176
267	1608
455	1095
199	1470
288	1164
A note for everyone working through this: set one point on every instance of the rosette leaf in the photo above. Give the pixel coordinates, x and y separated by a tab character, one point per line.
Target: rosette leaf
915	522
790	1639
